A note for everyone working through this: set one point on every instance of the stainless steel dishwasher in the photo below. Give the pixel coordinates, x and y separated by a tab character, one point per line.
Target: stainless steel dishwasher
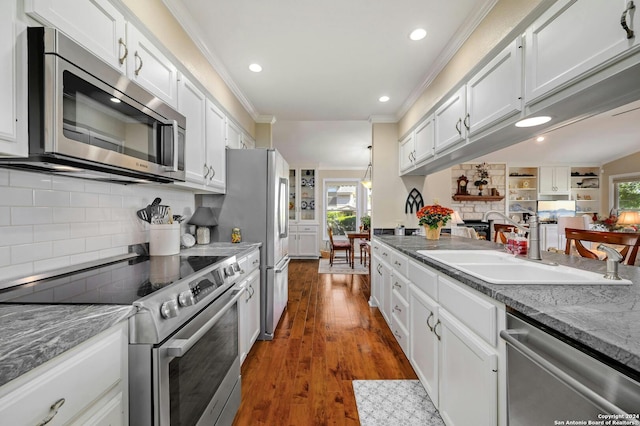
550	382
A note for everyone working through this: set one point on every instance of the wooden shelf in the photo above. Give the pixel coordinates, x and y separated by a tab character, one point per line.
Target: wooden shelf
478	197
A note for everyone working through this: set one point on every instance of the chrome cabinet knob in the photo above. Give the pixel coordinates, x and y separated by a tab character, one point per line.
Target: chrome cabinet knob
169	309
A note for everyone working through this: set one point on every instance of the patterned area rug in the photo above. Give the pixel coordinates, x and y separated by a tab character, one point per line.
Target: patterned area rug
394	402
340	266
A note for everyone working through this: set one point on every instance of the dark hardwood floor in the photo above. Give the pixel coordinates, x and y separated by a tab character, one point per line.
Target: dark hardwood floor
328	336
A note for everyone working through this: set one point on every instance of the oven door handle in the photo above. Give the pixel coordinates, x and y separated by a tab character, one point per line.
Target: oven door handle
510	337
179	347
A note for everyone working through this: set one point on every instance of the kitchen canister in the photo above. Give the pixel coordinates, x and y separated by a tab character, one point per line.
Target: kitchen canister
164	240
236	236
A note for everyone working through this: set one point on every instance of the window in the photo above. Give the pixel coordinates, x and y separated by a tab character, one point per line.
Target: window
626	192
345	202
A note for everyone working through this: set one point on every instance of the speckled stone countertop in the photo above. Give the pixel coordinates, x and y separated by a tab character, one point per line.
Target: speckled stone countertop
605	318
31	335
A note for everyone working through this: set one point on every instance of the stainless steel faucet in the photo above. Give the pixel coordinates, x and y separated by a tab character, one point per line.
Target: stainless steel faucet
613	259
533	252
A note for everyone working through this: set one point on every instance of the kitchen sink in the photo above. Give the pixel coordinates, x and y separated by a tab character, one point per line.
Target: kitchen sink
502	268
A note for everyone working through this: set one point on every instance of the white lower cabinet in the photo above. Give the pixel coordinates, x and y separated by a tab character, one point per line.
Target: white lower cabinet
87	384
249	314
468	375
449	332
303	241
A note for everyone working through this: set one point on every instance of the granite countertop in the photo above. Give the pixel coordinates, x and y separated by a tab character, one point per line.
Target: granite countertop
605	318
31	335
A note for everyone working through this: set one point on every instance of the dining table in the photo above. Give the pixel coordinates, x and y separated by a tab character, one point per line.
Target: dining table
352	237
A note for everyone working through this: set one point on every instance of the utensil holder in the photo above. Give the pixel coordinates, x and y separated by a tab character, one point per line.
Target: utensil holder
164	240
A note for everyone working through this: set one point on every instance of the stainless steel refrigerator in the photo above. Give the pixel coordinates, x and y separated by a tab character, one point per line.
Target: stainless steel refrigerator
257	202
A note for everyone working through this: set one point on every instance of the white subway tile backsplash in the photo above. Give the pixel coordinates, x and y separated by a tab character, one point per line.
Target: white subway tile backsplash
16	196
84	199
31	215
17	270
98	243
58	231
5	256
69	246
16	235
50	198
30	252
5	216
29	180
68	214
48	222
109	201
64	183
49	264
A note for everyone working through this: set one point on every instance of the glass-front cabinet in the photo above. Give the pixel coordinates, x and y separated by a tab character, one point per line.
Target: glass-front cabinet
303	218
302	195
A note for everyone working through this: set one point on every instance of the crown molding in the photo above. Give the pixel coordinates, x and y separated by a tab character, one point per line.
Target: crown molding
464	32
265	119
382	119
180	13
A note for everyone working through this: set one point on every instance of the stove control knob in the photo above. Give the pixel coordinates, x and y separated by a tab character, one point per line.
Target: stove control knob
169	309
186	298
228	271
236	267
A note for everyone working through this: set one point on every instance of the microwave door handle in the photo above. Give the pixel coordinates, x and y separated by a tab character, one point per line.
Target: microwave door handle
174	134
179	347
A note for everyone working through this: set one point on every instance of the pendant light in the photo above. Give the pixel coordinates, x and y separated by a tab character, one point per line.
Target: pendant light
368	174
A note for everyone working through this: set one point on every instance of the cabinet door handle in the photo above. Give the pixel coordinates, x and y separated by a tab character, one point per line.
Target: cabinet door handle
623	19
126	51
206	171
428	318
396	285
213	173
53	410
397	308
458	126
398	335
137	57
435	329
378	269
467	120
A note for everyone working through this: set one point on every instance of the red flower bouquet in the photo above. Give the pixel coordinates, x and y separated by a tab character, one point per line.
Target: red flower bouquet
434	216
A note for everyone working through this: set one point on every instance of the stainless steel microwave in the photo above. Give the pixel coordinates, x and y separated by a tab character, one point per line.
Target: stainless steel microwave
88	120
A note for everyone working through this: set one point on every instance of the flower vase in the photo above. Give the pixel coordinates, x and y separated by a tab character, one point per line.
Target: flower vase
480	188
433	233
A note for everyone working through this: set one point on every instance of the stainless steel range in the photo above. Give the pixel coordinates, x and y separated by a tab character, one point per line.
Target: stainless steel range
184	366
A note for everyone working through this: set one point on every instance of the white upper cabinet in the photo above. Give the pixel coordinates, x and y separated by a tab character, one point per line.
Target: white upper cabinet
95	24
148	67
449	121
571	39
103	30
216	141
406	153
554	180
423	141
192	103
234	135
495	92
13	102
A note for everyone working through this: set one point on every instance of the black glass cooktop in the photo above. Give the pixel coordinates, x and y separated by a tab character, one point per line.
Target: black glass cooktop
119	283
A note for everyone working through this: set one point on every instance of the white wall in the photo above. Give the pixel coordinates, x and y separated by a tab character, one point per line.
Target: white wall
48	222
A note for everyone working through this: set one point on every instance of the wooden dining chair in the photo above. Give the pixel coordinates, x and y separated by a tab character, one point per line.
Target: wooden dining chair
629	240
500	231
364	250
337	246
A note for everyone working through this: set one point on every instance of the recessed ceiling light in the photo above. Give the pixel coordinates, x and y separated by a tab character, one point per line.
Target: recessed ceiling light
115	100
418	34
383	98
255	67
539	138
533	121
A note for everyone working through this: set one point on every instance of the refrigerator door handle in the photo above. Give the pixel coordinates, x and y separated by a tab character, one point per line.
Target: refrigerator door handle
282	266
283	212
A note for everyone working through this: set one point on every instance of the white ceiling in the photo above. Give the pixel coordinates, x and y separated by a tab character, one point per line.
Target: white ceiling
326	63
